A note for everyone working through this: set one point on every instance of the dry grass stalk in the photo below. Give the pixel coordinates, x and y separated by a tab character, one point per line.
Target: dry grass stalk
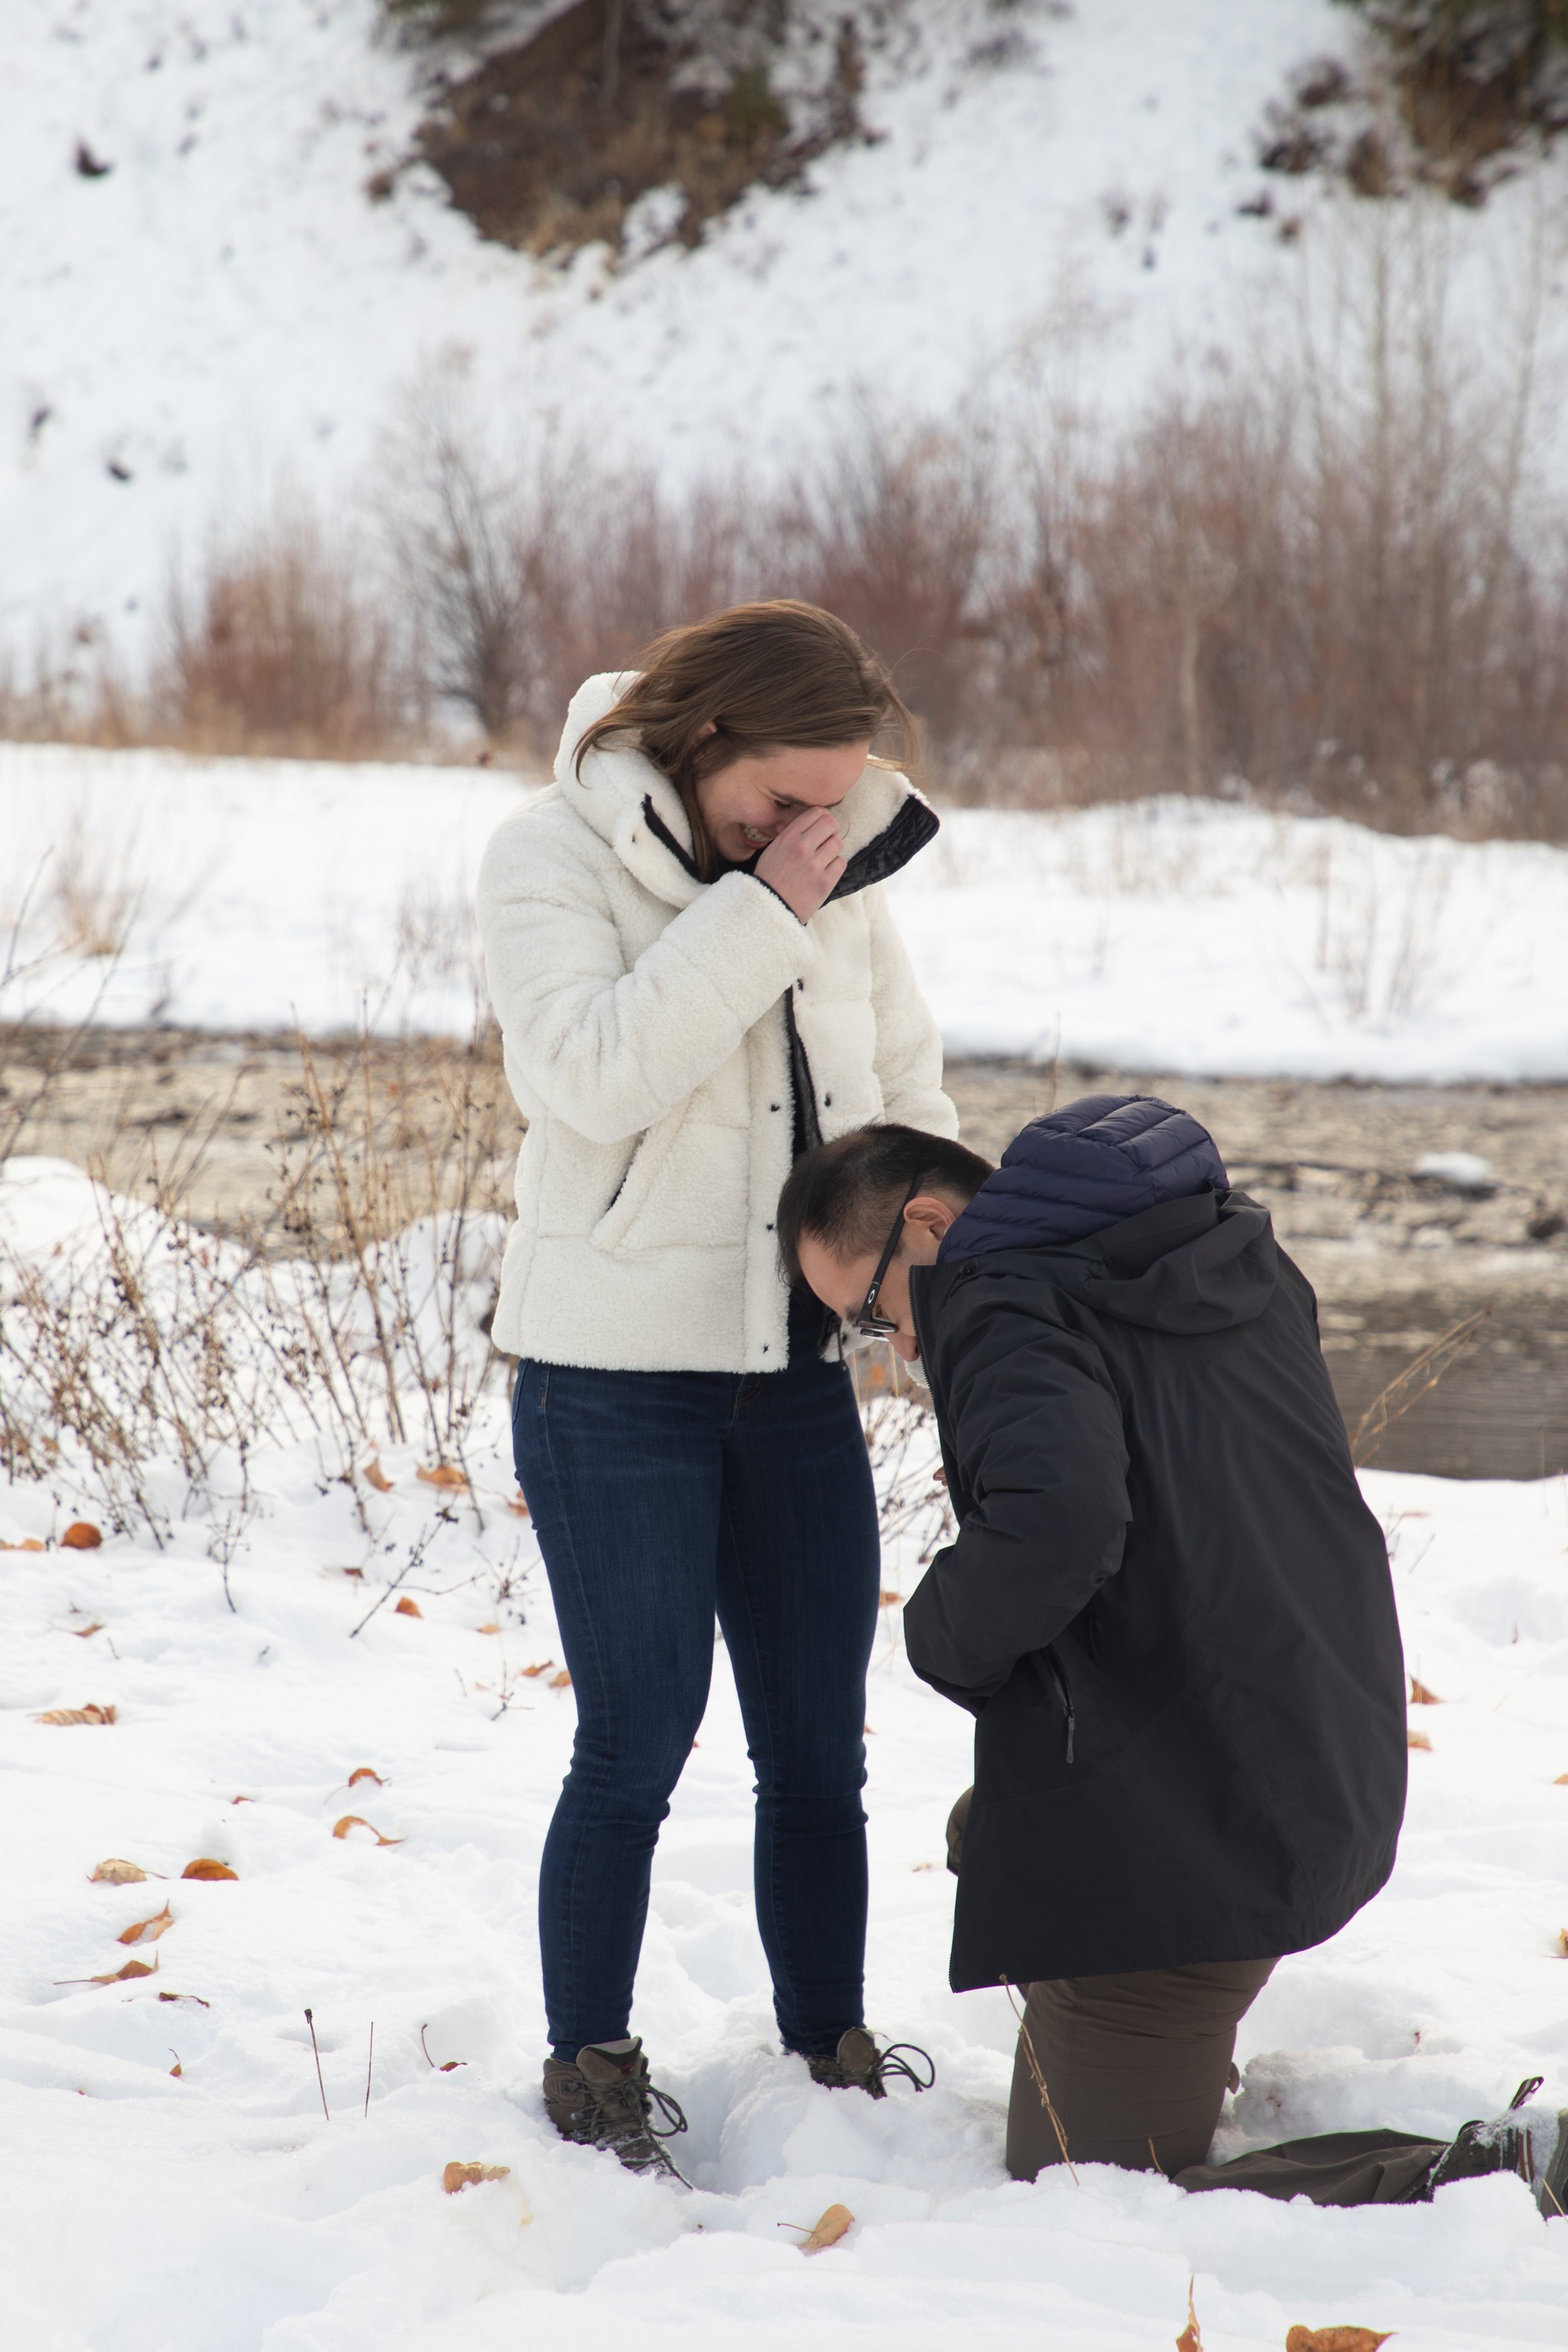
1409	1385
1027	2040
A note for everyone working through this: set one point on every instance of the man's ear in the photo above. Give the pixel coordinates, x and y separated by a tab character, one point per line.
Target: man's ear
930	1212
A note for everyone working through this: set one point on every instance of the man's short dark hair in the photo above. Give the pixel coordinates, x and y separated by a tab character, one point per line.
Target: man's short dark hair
845	1193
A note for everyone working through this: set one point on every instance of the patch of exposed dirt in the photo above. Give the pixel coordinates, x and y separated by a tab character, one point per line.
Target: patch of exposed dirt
550	145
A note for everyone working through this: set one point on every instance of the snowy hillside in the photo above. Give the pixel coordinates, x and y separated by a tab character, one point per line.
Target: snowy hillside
1169	934
208	301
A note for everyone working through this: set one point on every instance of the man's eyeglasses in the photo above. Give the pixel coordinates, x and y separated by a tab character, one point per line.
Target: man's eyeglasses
875	1325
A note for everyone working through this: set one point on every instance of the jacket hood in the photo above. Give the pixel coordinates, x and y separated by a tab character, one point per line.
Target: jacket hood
1130	1198
633	805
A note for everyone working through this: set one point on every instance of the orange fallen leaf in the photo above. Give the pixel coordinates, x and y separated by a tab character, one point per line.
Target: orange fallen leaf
186	1996
358	1821
357	1572
28	1543
91	1714
563	1681
468	2176
891	1600
1563	1943
116	1976
147	1931
542	1668
828	2231
443	1475
406	1608
516	1503
376	1476
82	1632
1421	1696
1416	1739
242	1800
116	1873
176	2069
205	1866
1336	2339
366	1772
486	1629
1561	1781
82	1535
1191	2338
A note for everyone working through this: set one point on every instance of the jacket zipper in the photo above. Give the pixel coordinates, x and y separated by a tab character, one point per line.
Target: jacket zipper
1064	1692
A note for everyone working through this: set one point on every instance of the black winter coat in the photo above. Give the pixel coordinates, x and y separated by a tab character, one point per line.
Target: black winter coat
1168	1604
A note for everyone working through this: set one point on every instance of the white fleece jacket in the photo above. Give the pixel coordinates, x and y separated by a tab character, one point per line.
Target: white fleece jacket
647	1041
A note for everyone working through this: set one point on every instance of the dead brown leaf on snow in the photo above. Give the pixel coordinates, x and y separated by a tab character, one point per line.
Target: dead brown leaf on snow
486	1629
207	1867
115	1976
406	1608
376	1476
516	1503
186	1996
542	1668
28	1543
889	1600
365	1773
116	1873
1416	1739
358	1821
468	2176
147	1931
1421	1696
443	1475
1191	2338
89	1713
824	2233
84	1632
1336	2339
82	1535
563	1681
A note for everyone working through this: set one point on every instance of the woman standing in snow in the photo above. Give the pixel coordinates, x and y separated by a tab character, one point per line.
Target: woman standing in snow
697	979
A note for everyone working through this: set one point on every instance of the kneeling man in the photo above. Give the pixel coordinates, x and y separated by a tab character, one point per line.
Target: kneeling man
1167	1607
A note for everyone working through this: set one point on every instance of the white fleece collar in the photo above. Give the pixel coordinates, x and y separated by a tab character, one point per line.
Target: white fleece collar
883	819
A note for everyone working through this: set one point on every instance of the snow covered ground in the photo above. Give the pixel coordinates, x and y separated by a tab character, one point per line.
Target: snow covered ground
224	307
170	2183
1167	934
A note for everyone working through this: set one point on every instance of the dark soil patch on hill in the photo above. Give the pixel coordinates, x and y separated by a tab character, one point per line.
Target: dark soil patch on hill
548	145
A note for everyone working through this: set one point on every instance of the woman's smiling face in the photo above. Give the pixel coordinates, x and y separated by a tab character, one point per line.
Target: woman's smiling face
752	800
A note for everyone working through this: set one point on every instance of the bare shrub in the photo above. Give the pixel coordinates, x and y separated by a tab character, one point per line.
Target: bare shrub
277	648
144	1361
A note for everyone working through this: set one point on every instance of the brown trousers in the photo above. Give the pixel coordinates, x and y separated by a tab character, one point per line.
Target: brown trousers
1137	2067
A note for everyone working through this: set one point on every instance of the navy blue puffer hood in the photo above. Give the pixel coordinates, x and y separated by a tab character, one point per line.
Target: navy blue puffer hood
1076	1172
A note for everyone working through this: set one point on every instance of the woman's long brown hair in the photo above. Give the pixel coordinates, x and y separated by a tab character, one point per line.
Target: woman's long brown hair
763	676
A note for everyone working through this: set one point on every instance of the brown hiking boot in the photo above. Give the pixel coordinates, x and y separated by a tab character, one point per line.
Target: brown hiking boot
606	2100
858	2065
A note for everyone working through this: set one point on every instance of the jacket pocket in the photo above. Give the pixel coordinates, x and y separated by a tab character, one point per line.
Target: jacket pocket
641	1178
1053	1674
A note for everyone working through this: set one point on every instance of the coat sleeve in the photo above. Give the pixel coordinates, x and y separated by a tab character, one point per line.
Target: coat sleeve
908	1043
611	1049
1036	1437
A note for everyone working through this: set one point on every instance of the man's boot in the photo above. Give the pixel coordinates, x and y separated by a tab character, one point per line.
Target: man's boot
606	2100
1507	2143
858	2065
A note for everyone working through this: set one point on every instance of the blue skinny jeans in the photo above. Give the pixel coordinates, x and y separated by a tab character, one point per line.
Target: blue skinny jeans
661	1499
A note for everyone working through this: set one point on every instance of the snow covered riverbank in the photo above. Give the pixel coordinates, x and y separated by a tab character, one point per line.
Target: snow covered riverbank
1167	934
215	2209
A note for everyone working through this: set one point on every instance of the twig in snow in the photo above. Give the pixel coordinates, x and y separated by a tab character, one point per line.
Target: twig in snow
311	2023
369	2062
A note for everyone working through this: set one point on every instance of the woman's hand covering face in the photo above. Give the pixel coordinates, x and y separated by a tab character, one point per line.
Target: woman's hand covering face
805	862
